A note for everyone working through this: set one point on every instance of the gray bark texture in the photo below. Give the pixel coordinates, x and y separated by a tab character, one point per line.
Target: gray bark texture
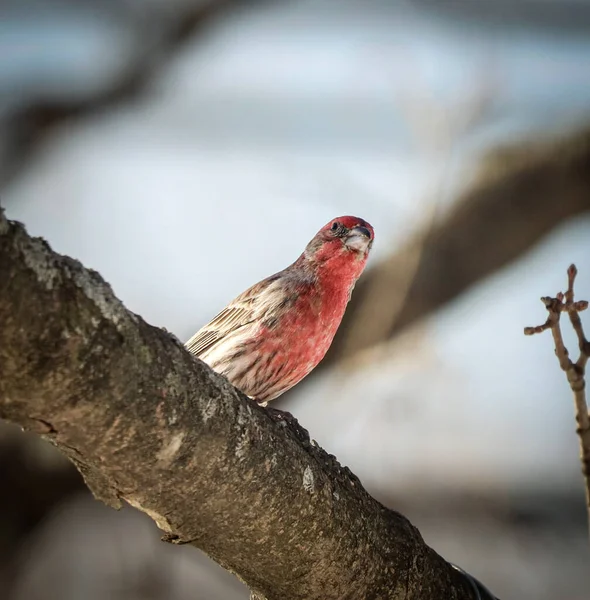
148	424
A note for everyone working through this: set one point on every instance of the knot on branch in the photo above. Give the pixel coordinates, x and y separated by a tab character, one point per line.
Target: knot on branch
563	302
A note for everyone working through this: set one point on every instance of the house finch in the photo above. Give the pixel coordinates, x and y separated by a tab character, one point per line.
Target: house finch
276	332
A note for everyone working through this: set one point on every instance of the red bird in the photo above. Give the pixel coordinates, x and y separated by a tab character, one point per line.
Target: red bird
276	332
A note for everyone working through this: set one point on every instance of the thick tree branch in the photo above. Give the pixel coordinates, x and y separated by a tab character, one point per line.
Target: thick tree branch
147	423
522	193
575	371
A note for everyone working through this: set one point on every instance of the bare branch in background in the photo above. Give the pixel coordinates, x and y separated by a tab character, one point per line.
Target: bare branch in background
166	33
438	135
148	424
510	208
575	371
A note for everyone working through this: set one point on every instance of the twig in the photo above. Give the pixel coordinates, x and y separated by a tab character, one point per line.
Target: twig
574	370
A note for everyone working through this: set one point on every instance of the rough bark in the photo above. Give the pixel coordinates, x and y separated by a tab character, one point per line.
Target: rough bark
148	424
522	193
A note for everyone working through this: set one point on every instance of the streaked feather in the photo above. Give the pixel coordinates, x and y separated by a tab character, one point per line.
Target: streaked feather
230	318
246	309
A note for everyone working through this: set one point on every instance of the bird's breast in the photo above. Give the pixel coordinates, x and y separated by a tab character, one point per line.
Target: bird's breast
303	335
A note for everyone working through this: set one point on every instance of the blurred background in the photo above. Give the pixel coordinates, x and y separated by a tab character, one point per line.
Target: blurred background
186	149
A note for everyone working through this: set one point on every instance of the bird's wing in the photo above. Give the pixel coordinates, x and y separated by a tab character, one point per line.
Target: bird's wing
241	311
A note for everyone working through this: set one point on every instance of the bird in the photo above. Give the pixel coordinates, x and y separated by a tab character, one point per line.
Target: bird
276	332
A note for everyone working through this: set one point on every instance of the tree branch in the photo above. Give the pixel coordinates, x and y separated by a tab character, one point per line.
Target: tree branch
575	371
147	423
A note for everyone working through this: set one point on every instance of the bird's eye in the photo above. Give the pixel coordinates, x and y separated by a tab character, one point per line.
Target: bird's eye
335	226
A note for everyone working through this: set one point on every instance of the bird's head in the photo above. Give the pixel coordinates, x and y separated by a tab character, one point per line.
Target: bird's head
341	247
347	235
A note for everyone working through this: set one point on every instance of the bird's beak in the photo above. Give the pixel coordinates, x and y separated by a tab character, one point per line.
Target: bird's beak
359	239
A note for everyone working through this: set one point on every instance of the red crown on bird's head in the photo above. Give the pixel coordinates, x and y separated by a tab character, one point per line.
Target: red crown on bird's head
348	222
